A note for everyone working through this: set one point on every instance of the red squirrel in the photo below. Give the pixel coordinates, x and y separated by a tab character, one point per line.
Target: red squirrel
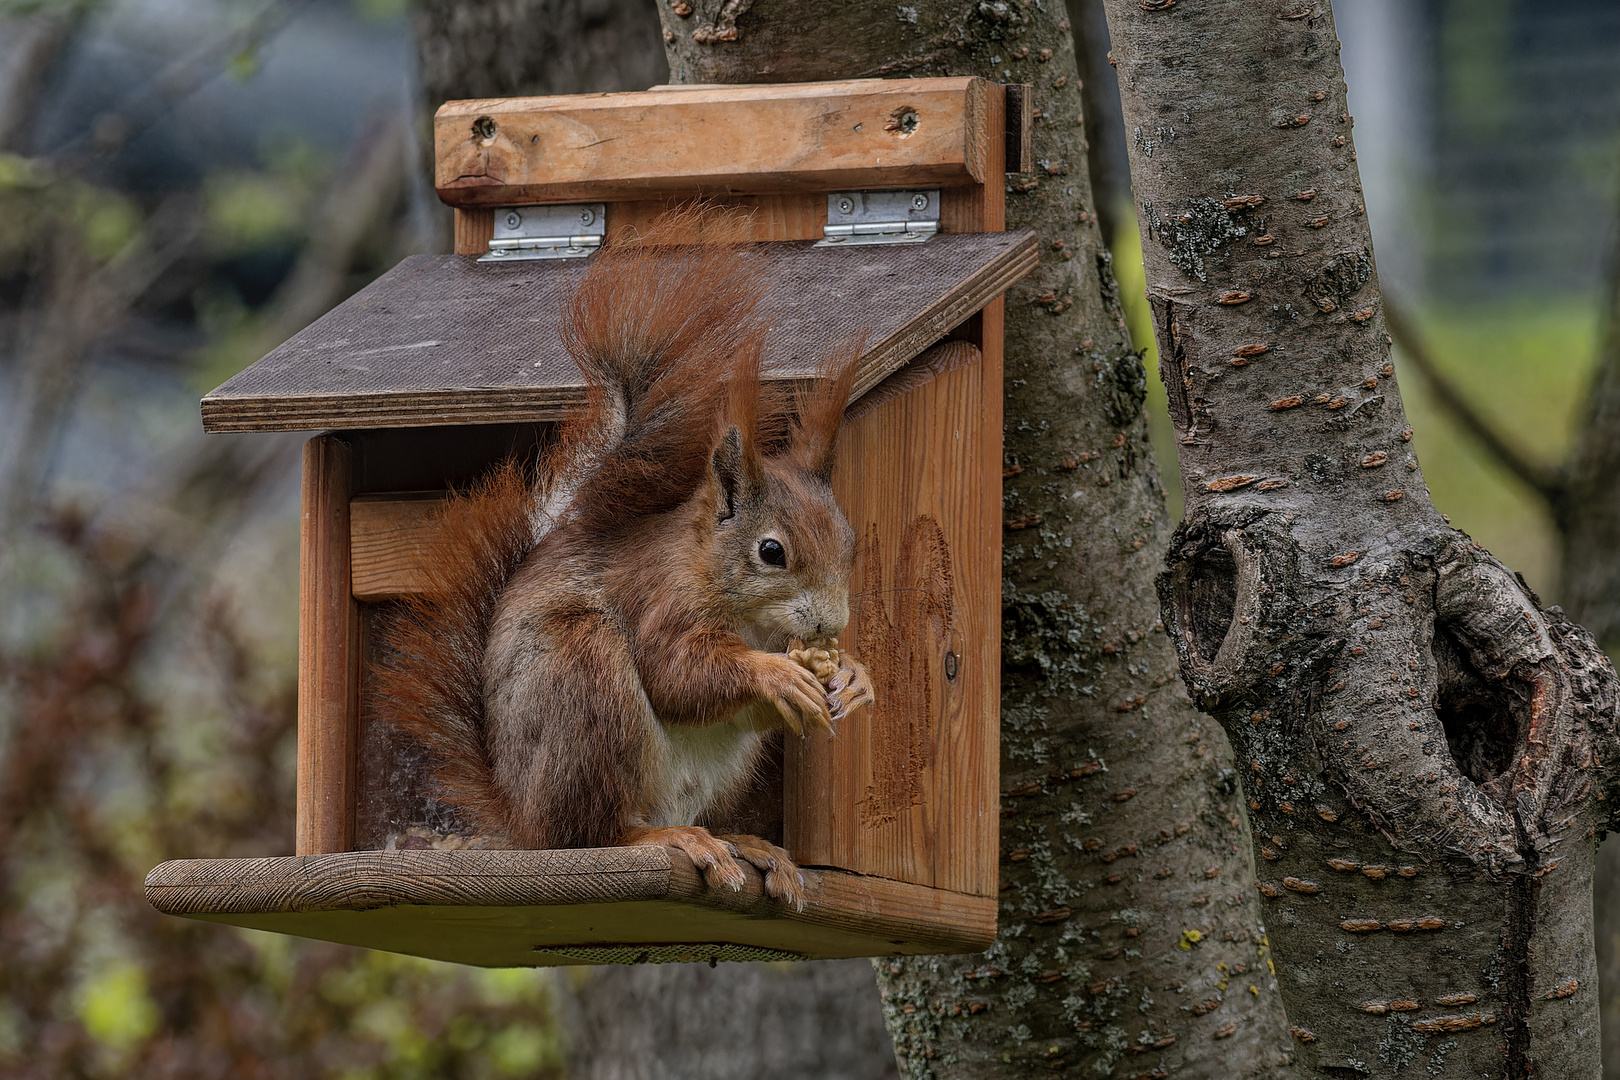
598	653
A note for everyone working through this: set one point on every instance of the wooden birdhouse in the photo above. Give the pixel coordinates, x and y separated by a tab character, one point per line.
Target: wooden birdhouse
876	206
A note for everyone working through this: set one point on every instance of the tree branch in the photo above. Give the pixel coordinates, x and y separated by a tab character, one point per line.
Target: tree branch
1547	481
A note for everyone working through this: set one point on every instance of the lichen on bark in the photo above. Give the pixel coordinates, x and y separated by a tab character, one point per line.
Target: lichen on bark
1130	943
1421	743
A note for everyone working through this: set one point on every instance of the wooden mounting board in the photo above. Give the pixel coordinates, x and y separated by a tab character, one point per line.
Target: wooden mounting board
851	135
496	908
444	339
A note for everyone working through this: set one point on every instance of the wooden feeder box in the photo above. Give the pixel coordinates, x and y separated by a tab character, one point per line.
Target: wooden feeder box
876	206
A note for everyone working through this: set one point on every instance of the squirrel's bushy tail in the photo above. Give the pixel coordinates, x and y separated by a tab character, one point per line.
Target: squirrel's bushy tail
668	341
428	679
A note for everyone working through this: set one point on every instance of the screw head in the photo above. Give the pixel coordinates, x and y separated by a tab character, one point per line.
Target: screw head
587	216
919	202
846	205
513	219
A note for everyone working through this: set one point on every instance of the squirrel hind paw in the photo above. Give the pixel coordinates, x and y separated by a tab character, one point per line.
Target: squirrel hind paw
783	881
715	857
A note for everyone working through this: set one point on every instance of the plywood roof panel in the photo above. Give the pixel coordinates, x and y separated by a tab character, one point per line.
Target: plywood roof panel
444	339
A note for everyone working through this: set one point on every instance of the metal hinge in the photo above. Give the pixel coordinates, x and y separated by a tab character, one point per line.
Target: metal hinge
547	232
880	217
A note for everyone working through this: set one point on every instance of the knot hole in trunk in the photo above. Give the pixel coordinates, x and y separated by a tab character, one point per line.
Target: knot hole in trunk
1486	719
1208	601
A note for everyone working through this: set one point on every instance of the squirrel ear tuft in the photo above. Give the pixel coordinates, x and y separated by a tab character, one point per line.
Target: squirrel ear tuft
735	467
819	410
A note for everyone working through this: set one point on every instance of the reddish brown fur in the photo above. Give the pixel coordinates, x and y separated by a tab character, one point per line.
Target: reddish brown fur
428	681
574	655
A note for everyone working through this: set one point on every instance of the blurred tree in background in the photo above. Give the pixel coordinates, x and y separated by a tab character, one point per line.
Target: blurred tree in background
183	185
156	235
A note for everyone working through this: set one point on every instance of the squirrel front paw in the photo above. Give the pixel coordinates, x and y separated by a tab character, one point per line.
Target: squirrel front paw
715	858
782	878
795	692
850	688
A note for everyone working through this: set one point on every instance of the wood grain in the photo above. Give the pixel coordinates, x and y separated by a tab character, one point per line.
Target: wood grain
496	908
442	339
859	134
793	216
908	788
328	653
474	229
387	535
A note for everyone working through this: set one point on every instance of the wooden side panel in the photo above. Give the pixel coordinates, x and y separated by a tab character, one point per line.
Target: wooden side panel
908	788
328	653
868	133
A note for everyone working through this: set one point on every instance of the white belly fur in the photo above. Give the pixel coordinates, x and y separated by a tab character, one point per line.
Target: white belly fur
701	765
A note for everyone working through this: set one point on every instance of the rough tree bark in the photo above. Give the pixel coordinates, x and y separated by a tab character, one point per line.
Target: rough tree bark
1588	511
498	48
1588	516
1420	741
1130	944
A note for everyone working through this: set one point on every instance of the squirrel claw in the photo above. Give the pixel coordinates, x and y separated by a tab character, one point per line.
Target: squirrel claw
850	689
715	858
783	881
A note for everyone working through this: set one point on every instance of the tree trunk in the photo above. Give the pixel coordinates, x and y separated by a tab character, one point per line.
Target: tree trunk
501	48
1588	513
1419	741
1130	943
1588	516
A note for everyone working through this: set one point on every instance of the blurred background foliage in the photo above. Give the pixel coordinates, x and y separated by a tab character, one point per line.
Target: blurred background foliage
186	183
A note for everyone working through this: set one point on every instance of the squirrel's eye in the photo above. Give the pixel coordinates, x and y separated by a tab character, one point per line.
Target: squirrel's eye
773	552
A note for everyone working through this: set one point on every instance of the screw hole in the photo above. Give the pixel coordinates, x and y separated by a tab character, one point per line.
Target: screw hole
903	120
